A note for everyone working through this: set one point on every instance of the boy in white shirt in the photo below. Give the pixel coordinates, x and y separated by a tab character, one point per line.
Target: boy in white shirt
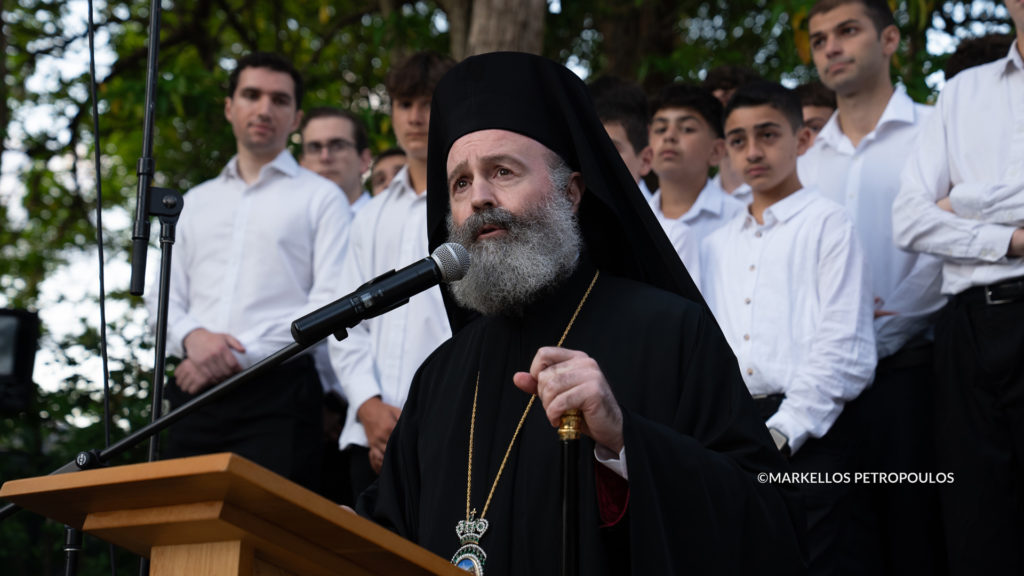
686	139
788	284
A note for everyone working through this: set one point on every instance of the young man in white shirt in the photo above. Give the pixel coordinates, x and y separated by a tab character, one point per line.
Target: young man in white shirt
856	161
335	146
962	199
622	108
686	138
377	361
257	247
787	282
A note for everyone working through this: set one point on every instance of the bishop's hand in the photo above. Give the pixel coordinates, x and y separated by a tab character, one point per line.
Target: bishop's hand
566	379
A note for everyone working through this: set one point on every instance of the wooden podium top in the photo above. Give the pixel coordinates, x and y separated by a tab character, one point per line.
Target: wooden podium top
216	498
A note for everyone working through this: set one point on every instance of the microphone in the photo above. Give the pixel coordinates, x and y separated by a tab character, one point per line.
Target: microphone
448	263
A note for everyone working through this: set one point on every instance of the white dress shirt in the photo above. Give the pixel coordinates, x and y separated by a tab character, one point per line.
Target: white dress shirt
865	179
793	298
250	259
712	209
972	151
642	185
363	199
381	355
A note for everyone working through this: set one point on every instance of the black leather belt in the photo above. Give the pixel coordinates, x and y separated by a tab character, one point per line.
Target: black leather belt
1003	292
767	404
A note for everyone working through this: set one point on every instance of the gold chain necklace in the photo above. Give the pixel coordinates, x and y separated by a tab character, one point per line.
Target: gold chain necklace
470	556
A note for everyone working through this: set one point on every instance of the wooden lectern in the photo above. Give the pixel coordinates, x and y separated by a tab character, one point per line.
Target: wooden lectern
221	514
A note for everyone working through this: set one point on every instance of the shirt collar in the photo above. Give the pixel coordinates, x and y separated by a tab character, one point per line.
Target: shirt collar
784	209
1012	61
830	134
709	200
284	163
899	110
402	184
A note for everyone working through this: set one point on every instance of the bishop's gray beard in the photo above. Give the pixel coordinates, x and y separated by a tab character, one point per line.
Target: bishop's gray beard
539	249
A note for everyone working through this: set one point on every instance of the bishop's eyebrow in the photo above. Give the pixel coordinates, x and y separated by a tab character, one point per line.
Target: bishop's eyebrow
489	160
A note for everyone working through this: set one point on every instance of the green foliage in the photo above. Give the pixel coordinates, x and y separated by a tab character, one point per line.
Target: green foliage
344	48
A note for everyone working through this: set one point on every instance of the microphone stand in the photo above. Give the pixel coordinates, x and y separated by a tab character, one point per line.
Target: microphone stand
569	436
150	201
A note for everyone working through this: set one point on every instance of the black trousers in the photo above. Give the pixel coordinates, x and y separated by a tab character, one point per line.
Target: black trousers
979	361
334	477
274	420
361	474
897	527
828	503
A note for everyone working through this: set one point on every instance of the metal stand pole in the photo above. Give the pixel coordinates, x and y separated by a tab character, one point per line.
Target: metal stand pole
72	547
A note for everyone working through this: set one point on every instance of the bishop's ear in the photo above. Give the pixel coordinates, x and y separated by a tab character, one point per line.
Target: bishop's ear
575	190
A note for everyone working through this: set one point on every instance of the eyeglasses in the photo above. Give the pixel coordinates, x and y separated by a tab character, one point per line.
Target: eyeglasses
333	146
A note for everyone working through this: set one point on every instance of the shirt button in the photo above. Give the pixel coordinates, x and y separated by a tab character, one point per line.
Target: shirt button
746	300
752	267
757	234
750	371
746	336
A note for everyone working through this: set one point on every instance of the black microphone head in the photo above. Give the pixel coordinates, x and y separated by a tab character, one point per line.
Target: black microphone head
453	261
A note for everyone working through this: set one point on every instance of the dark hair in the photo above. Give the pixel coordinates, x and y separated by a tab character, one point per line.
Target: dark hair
972	52
418	75
878	11
700	100
728	78
815	93
617	100
768	94
362	142
396	151
269	60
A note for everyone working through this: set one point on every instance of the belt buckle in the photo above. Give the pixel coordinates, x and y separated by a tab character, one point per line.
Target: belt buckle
995	301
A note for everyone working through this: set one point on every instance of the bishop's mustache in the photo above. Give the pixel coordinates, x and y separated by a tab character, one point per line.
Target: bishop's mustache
485	221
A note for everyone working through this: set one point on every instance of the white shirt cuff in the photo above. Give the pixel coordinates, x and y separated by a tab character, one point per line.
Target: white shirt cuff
612	461
176	335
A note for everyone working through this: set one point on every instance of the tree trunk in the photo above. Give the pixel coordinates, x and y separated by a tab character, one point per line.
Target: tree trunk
516	25
630	31
458	12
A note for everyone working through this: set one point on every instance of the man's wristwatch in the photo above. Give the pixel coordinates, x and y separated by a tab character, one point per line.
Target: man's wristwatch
781	441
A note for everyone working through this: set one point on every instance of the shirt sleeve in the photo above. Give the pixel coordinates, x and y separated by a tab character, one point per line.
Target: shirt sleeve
842	357
352	358
990	202
918	222
915	299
